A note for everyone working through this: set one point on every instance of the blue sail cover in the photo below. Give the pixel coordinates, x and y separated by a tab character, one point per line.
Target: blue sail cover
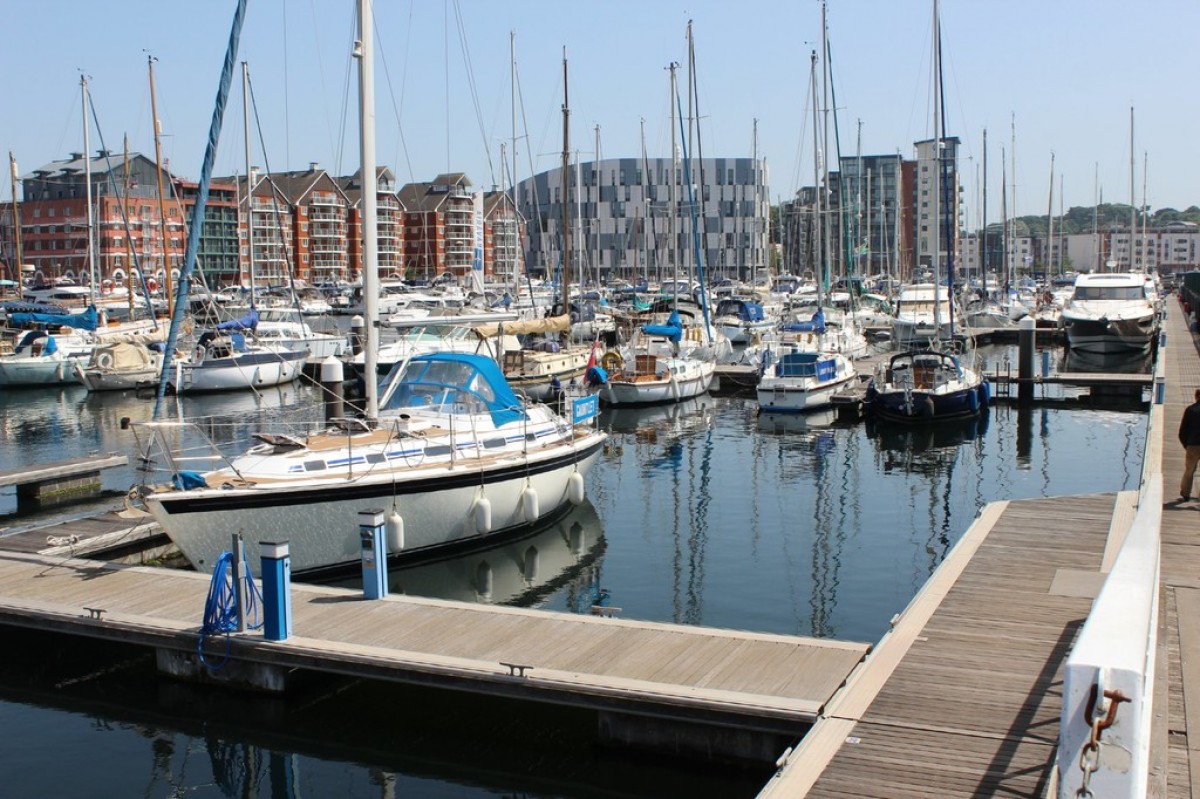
247	322
744	310
450	379
85	320
673	329
815	325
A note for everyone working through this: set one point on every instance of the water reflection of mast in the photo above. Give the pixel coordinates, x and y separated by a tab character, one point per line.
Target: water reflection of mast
698	541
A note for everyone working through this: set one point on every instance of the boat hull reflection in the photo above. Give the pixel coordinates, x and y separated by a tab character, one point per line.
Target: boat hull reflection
522	571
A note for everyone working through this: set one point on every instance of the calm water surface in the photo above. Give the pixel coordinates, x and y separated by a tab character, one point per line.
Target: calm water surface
704	513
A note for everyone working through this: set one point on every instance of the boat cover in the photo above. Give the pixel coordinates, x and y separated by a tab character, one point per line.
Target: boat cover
247	322
673	329
458	381
87	319
814	325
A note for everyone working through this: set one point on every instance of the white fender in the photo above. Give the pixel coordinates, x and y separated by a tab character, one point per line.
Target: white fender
575	491
529	505
483	515
395	532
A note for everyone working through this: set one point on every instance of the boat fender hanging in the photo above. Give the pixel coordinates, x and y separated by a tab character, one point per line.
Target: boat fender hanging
985	395
529	505
927	408
973	401
395	532
575	492
483	515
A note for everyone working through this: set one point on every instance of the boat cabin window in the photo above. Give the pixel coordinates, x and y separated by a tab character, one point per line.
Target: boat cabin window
1109	292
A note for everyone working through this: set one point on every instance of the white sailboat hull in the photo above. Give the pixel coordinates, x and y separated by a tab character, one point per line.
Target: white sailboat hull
319	518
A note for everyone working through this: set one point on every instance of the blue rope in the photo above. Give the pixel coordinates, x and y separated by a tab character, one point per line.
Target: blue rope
221	609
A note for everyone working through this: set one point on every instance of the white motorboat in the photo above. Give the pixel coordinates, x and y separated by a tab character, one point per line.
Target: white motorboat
796	380
924	314
1109	313
455	449
226	361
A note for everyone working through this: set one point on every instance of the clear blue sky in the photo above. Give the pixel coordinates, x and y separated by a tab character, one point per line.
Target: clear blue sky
1067	71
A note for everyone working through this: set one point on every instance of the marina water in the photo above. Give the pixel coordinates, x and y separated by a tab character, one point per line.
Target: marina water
704	513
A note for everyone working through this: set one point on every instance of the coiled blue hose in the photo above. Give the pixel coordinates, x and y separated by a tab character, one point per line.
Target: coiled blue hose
221	610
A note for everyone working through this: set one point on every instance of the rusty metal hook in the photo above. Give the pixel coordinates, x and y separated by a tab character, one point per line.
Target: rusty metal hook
1115	699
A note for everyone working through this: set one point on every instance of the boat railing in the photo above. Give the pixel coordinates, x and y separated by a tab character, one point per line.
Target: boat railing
1108	691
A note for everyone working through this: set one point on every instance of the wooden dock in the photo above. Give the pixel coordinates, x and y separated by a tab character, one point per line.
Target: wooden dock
770	685
962	698
64	481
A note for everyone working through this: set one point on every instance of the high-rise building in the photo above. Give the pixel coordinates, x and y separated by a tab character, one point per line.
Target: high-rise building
632	218
941	194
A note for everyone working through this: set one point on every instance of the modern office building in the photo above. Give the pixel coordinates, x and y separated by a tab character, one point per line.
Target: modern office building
632	218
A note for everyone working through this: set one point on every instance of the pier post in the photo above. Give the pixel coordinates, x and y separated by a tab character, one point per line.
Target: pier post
1026	337
333	388
356	334
374	553
277	590
238	547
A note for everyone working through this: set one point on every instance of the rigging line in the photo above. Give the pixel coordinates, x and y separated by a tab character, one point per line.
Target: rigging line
466	53
341	145
317	34
397	107
124	215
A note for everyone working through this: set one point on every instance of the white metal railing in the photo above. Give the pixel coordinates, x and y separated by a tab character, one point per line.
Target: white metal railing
1108	692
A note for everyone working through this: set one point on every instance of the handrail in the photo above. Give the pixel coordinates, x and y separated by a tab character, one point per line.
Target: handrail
1108	692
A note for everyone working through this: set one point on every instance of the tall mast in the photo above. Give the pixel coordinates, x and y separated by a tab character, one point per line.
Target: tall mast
672	189
756	251
1132	196
595	217
512	66
937	172
826	203
158	171
647	218
566	176
817	227
1004	237
983	251
1015	212
16	208
1050	221
1096	217
364	50
686	143
250	182
87	182
1145	214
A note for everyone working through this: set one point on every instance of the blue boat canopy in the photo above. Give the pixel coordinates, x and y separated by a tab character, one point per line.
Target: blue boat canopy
744	310
87	319
247	322
452	382
814	325
673	329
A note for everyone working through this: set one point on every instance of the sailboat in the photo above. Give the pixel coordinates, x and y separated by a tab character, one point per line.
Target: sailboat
800	373
931	382
447	445
671	359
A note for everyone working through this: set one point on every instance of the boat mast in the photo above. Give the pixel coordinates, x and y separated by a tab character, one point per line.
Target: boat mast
566	177
87	184
937	172
16	209
983	250
1050	222
1132	195
250	180
158	171
1096	217
1145	211
817	235
826	200
364	51
512	82
672	187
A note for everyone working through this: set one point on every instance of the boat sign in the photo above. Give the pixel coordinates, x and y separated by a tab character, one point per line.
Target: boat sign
585	408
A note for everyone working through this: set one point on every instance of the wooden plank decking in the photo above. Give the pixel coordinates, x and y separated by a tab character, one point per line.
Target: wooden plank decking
760	681
965	699
962	698
61	469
